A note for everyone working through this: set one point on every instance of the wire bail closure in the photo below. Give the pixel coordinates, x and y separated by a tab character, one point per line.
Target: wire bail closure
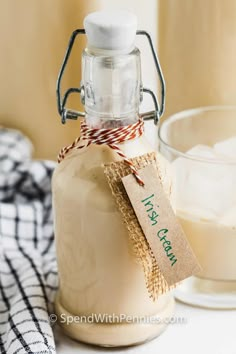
74	115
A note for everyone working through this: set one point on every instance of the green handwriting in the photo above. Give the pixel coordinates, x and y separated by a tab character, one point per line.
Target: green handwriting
161	234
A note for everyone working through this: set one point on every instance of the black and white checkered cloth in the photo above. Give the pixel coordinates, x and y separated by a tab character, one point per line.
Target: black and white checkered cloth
28	272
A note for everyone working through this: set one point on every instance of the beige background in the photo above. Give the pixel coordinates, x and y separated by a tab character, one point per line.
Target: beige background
197	46
33	39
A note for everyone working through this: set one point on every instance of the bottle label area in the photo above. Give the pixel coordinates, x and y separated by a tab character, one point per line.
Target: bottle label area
159	224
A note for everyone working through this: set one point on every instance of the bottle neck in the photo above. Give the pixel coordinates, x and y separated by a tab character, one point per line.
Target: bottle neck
99	122
112	88
117	132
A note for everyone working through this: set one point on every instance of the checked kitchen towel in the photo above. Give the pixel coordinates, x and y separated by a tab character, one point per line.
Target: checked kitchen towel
28	272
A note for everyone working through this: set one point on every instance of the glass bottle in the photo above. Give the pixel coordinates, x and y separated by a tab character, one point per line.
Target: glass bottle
99	275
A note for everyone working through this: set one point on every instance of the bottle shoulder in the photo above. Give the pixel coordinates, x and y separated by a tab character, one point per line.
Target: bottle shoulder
86	165
83	171
96	155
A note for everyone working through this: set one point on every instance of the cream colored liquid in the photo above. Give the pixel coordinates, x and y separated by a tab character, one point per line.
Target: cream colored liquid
98	271
214	246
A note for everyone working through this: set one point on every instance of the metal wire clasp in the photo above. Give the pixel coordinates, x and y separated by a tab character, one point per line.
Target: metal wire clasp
72	114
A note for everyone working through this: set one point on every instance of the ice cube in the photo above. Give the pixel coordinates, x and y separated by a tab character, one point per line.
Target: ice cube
229	217
196	214
204	151
206	187
227	147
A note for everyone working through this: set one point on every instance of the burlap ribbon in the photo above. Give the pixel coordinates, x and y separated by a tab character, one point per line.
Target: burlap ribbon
115	171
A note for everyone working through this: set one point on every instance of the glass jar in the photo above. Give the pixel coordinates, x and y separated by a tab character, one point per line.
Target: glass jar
201	144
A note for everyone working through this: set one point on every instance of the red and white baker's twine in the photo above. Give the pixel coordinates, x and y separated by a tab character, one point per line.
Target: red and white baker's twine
109	137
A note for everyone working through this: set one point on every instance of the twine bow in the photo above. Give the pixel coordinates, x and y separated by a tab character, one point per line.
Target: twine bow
109	137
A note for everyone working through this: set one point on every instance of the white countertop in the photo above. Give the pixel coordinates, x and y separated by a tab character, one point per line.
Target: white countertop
204	331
